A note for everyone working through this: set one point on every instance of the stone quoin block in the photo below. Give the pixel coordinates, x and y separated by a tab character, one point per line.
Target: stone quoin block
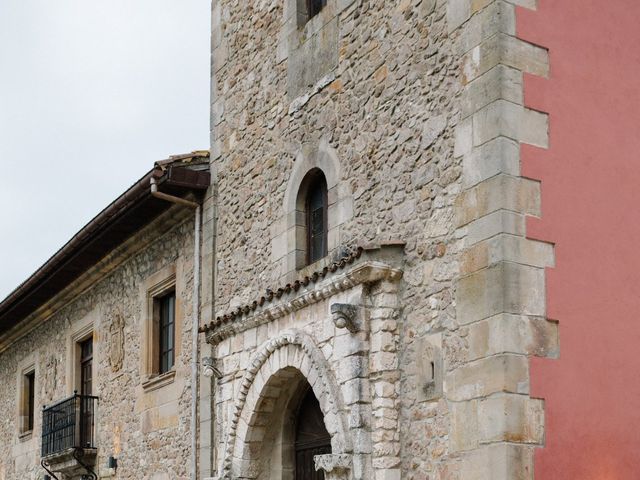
499	83
497	17
511	418
503	118
500	221
500	373
500	155
502	192
502	49
503	288
497	462
508	248
507	333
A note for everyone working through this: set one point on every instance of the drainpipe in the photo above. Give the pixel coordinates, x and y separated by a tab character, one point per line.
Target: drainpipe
170	198
195	316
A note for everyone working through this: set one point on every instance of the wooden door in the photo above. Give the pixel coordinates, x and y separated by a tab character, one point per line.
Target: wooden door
312	438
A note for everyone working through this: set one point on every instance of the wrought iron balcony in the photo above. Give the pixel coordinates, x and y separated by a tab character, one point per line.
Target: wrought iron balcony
69	425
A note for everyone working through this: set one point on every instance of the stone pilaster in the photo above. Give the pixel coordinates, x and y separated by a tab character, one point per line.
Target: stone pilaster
385	382
500	295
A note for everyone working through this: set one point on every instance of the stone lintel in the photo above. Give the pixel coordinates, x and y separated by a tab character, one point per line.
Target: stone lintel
109	263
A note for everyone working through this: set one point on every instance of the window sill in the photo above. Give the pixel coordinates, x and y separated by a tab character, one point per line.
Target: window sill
25	436
158	381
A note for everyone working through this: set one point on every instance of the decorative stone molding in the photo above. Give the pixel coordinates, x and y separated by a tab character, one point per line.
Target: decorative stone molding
263	366
50	378
116	341
345	315
369	271
335	466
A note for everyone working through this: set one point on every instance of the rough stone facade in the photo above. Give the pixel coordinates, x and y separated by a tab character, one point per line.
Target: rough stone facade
414	332
413	111
146	429
386	118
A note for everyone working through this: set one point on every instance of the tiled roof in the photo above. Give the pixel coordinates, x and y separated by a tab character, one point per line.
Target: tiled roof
272	294
177	175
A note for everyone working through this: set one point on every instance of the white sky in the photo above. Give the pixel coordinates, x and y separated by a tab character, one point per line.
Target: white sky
92	92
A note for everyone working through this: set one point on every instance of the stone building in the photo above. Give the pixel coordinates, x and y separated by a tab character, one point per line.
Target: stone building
362	267
414	326
84	376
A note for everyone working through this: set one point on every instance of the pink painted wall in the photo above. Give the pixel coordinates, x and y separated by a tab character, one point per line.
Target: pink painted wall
591	210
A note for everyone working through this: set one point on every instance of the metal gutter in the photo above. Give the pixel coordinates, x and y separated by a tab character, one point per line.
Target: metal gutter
133	209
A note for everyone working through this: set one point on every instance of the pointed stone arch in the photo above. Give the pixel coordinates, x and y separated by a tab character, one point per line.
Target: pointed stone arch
290	350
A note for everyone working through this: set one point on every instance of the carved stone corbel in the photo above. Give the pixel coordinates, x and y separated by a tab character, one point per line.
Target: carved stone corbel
335	466
345	315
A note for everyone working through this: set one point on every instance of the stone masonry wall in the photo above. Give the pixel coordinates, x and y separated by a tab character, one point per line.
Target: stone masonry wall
387	109
147	432
416	109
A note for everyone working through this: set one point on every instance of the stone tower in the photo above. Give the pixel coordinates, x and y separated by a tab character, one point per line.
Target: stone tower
368	242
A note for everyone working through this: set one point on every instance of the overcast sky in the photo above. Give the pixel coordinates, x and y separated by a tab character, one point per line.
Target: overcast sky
92	92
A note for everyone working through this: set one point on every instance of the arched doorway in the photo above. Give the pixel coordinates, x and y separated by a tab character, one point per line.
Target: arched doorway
311	438
295	431
274	395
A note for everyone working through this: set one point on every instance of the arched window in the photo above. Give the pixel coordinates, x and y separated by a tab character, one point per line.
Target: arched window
316	217
311	438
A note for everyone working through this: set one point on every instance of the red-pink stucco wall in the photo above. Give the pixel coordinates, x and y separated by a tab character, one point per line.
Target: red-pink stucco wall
591	210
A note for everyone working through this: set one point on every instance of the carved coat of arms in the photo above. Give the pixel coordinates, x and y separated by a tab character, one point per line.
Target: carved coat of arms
50	377
116	341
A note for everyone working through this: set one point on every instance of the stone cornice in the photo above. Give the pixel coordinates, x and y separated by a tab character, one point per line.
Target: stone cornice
366	271
149	235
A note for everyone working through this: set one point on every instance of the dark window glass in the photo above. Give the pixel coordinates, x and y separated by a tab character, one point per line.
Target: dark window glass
31	396
167	306
314	7
312	438
317	219
86	367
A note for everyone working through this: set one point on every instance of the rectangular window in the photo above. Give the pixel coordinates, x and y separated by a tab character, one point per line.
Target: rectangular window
167	309
314	7
28	402
162	329
86	367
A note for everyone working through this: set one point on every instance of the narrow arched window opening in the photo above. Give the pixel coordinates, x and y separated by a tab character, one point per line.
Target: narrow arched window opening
311	438
316	213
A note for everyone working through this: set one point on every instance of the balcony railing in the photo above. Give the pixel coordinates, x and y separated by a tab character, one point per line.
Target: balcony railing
69	424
